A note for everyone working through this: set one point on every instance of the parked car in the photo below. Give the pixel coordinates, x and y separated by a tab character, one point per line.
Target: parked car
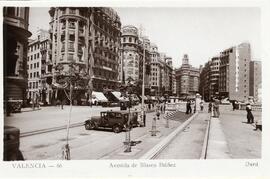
116	120
225	101
12	144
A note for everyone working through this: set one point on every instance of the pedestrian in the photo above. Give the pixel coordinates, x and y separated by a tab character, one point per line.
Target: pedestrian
216	108
33	99
201	105
210	107
233	104
188	107
250	117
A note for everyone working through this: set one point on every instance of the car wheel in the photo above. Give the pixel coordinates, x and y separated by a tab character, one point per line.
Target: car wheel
116	129
90	126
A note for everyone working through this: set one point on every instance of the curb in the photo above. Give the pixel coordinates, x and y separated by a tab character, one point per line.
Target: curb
153	153
205	141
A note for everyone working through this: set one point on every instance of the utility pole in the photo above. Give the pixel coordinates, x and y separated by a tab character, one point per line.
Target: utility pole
143	81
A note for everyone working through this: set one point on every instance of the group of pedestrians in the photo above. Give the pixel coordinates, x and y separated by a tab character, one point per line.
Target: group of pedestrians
214	105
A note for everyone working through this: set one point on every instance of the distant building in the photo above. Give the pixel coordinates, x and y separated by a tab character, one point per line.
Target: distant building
255	80
39	66
234	72
15	39
161	72
173	83
209	79
187	79
155	70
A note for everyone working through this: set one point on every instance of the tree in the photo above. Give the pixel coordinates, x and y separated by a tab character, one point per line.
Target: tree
71	80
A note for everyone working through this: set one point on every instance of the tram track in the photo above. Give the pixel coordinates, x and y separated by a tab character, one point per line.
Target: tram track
53	129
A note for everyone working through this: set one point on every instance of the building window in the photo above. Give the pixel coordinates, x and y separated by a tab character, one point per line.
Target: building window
72	11
34	65
30	75
11	11
31	66
31	57
38	55
129	39
34	74
35	55
37	64
37	74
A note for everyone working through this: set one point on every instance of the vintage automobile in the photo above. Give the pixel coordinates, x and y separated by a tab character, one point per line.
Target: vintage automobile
116	120
12	144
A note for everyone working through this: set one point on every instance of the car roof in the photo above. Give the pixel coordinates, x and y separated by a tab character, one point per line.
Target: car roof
122	112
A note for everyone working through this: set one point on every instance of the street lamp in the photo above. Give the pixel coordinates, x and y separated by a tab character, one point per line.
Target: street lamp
128	126
154	122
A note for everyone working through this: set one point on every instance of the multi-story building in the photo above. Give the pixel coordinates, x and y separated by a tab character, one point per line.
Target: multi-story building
15	38
209	79
130	55
145	62
214	76
255	80
187	79
204	89
89	40
135	55
37	66
105	29
234	72
155	70
173	83
161	72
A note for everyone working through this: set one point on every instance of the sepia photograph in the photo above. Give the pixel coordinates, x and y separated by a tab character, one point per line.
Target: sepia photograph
127	83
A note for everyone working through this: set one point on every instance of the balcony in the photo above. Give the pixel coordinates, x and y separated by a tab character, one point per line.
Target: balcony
71	26
81	33
71	49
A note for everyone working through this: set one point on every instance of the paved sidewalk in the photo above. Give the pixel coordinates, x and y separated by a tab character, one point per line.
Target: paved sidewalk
188	144
217	144
243	141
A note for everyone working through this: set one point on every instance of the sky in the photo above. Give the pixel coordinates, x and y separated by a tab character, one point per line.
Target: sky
199	32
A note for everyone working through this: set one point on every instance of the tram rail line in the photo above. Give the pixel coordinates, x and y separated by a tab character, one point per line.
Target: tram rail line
53	129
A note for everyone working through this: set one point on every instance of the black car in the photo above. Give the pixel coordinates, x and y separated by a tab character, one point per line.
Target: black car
12	144
116	120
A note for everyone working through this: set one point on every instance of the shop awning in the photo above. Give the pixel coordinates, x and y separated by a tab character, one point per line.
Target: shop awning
99	96
118	95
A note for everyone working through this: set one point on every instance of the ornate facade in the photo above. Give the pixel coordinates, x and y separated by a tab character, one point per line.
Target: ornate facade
187	79
134	49
89	39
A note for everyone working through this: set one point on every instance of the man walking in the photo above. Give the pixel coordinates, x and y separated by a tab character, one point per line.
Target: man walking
250	117
216	108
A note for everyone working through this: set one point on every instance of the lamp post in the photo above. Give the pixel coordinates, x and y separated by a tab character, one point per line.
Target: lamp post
143	86
128	126
154	122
